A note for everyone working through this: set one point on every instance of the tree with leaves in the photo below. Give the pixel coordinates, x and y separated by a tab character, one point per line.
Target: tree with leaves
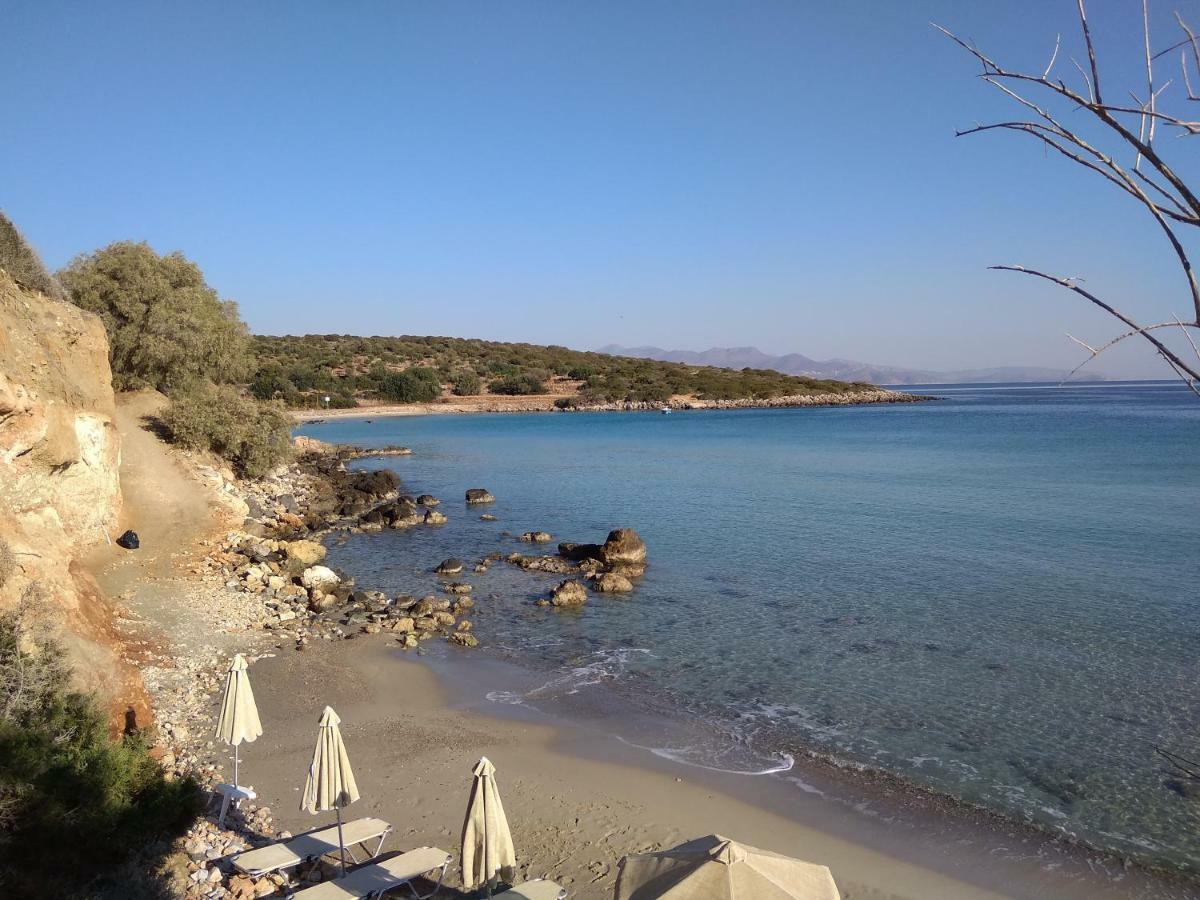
166	326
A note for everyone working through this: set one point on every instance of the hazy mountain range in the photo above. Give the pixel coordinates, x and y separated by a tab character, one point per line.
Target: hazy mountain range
842	369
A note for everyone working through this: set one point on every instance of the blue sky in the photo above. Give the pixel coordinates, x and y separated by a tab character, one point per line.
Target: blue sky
782	174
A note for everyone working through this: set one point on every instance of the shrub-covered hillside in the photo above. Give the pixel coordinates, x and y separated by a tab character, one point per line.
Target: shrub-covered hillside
303	370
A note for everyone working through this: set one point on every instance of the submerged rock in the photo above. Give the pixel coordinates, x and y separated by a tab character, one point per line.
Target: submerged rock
612	583
449	567
537	537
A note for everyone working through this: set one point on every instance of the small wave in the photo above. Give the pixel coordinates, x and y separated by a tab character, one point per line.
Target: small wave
680	755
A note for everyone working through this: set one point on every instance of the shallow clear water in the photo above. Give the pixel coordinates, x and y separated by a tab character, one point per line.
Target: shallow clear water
994	594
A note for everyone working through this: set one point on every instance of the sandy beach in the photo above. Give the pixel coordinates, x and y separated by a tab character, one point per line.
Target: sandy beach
575	805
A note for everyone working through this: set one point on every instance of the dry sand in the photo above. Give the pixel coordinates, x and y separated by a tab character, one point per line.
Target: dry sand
573	813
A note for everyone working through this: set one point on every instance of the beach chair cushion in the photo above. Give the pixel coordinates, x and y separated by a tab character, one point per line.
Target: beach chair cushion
379	876
310	845
538	889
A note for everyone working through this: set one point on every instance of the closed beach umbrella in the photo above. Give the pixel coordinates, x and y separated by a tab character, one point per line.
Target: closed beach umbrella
715	868
239	716
487	847
330	783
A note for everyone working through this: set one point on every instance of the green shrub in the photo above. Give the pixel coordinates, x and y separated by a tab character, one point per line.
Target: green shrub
166	326
415	385
518	384
466	384
74	803
23	264
254	436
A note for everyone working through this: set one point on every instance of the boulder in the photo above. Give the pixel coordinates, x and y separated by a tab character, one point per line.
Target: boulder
433	517
464	639
319	578
569	593
623	546
457	587
303	554
537	537
479	495
449	567
129	540
578	551
428	500
612	583
553	564
487	517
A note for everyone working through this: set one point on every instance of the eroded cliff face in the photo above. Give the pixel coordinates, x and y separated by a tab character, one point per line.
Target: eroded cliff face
60	490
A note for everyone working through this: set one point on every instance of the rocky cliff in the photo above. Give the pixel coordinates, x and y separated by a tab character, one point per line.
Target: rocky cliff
60	491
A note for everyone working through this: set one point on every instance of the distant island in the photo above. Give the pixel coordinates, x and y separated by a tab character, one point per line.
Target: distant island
458	374
843	369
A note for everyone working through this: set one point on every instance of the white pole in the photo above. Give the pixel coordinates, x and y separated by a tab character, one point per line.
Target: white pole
235	765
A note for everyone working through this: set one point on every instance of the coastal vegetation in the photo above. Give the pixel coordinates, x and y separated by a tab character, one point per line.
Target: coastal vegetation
74	802
302	370
22	262
168	330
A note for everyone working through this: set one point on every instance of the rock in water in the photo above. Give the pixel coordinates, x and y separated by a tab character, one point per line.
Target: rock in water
433	517
479	495
623	546
611	583
569	593
428	500
129	540
537	537
449	567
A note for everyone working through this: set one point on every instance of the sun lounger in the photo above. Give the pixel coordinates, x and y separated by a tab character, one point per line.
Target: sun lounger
538	889
380	877
313	844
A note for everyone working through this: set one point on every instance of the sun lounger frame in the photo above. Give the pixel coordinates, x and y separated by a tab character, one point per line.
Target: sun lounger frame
303	859
407	883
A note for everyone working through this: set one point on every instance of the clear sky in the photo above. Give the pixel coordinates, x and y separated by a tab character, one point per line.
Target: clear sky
685	174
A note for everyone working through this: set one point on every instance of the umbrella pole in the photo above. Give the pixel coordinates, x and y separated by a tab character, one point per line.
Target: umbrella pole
341	843
235	765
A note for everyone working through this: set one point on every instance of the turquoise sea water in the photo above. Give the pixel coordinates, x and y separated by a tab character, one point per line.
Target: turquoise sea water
994	595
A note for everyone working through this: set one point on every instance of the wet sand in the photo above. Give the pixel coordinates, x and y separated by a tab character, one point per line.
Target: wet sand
577	800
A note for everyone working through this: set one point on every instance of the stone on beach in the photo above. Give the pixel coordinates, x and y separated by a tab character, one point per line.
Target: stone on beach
319	578
304	553
479	495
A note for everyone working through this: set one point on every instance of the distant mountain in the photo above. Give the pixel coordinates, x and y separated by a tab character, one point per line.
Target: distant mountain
841	369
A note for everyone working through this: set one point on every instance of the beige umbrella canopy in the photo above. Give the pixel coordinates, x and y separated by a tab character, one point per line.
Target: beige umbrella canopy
487	847
714	868
238	720
330	783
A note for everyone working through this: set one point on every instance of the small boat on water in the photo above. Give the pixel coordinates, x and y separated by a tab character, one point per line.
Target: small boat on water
666	410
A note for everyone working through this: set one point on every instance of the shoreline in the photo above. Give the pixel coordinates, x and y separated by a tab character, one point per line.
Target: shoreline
546	403
410	727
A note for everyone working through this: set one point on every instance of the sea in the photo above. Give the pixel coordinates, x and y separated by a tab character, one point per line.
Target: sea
993	596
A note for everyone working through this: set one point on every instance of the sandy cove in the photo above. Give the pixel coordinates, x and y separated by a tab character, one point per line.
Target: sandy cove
576	800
